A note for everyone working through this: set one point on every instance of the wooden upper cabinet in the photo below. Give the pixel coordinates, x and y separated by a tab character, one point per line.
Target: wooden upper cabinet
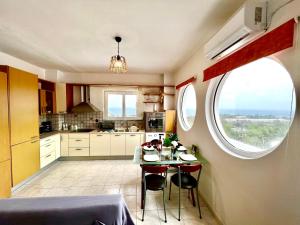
4	127
61	97
24	112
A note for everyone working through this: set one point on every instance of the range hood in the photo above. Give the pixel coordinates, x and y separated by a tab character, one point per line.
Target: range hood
85	105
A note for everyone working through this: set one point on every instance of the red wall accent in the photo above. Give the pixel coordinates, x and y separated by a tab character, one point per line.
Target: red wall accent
276	40
69	94
185	82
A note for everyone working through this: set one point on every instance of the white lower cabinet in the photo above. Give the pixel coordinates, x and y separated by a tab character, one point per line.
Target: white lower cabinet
57	145
48	150
79	144
100	144
79	151
64	144
117	144
132	141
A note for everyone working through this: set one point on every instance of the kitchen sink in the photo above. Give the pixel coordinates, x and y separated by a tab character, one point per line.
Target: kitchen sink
84	130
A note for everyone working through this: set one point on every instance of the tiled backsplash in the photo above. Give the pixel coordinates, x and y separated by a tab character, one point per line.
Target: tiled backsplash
85	120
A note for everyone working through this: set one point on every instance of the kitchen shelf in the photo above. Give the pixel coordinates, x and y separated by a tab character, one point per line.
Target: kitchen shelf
168	94
153	102
154	94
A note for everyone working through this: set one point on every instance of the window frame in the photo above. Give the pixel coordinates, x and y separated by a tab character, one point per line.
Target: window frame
123	117
182	121
212	97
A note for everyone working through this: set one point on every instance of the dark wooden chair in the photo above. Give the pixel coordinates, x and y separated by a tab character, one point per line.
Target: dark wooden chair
183	179
154	181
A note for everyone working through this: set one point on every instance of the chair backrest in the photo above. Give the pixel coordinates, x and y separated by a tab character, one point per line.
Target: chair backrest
146	144
191	168
155	169
156	142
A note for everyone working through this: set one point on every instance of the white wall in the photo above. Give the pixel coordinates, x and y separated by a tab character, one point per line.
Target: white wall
109	78
264	191
9	60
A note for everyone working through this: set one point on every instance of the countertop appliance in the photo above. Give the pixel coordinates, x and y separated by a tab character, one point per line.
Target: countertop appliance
154	121
149	136
46	126
106	125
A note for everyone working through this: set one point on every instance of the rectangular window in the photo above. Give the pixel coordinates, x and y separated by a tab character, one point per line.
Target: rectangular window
121	105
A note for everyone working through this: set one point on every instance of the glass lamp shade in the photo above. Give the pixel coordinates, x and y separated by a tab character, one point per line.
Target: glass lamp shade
118	64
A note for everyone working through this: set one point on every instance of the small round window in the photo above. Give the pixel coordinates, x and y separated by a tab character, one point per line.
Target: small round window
187	107
251	108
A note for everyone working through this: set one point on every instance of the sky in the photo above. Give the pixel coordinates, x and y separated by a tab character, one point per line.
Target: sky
261	85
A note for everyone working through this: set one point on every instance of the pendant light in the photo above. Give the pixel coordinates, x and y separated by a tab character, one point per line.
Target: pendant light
118	63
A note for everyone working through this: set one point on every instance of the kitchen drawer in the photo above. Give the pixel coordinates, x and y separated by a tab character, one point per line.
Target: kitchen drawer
79	151
47	148
79	135
47	159
47	140
79	142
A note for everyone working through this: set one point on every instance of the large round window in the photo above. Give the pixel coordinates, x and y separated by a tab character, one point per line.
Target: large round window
187	107
250	109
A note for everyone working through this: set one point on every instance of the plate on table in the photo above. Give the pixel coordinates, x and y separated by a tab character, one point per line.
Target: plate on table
151	158
146	148
182	148
188	157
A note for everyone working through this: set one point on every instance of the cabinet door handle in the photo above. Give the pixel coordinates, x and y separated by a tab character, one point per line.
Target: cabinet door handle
48	156
132	135
78	149
78	140
34	141
99	135
34	137
117	135
48	145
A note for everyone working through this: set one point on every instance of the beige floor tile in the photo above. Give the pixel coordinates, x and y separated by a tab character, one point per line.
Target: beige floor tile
128	189
151	218
97	177
172	215
111	189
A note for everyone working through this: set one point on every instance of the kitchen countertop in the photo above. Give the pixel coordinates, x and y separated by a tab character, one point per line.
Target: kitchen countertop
48	134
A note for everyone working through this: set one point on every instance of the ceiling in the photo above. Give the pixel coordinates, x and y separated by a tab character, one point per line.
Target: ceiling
77	35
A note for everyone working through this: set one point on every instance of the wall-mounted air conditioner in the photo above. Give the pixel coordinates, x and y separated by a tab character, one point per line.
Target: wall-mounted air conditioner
249	21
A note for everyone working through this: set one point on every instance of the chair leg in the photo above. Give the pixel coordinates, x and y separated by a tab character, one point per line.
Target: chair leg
144	205
164	205
179	205
198	202
170	190
193	197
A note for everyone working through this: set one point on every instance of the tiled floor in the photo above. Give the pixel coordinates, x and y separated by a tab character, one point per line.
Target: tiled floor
98	177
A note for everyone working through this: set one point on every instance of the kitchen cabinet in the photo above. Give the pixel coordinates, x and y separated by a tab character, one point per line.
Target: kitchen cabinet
5	163
25	160
47	97
23	101
132	141
64	144
57	145
117	144
49	150
99	144
61	97
79	144
5	179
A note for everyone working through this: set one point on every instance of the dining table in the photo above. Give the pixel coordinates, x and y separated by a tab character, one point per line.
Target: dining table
172	160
